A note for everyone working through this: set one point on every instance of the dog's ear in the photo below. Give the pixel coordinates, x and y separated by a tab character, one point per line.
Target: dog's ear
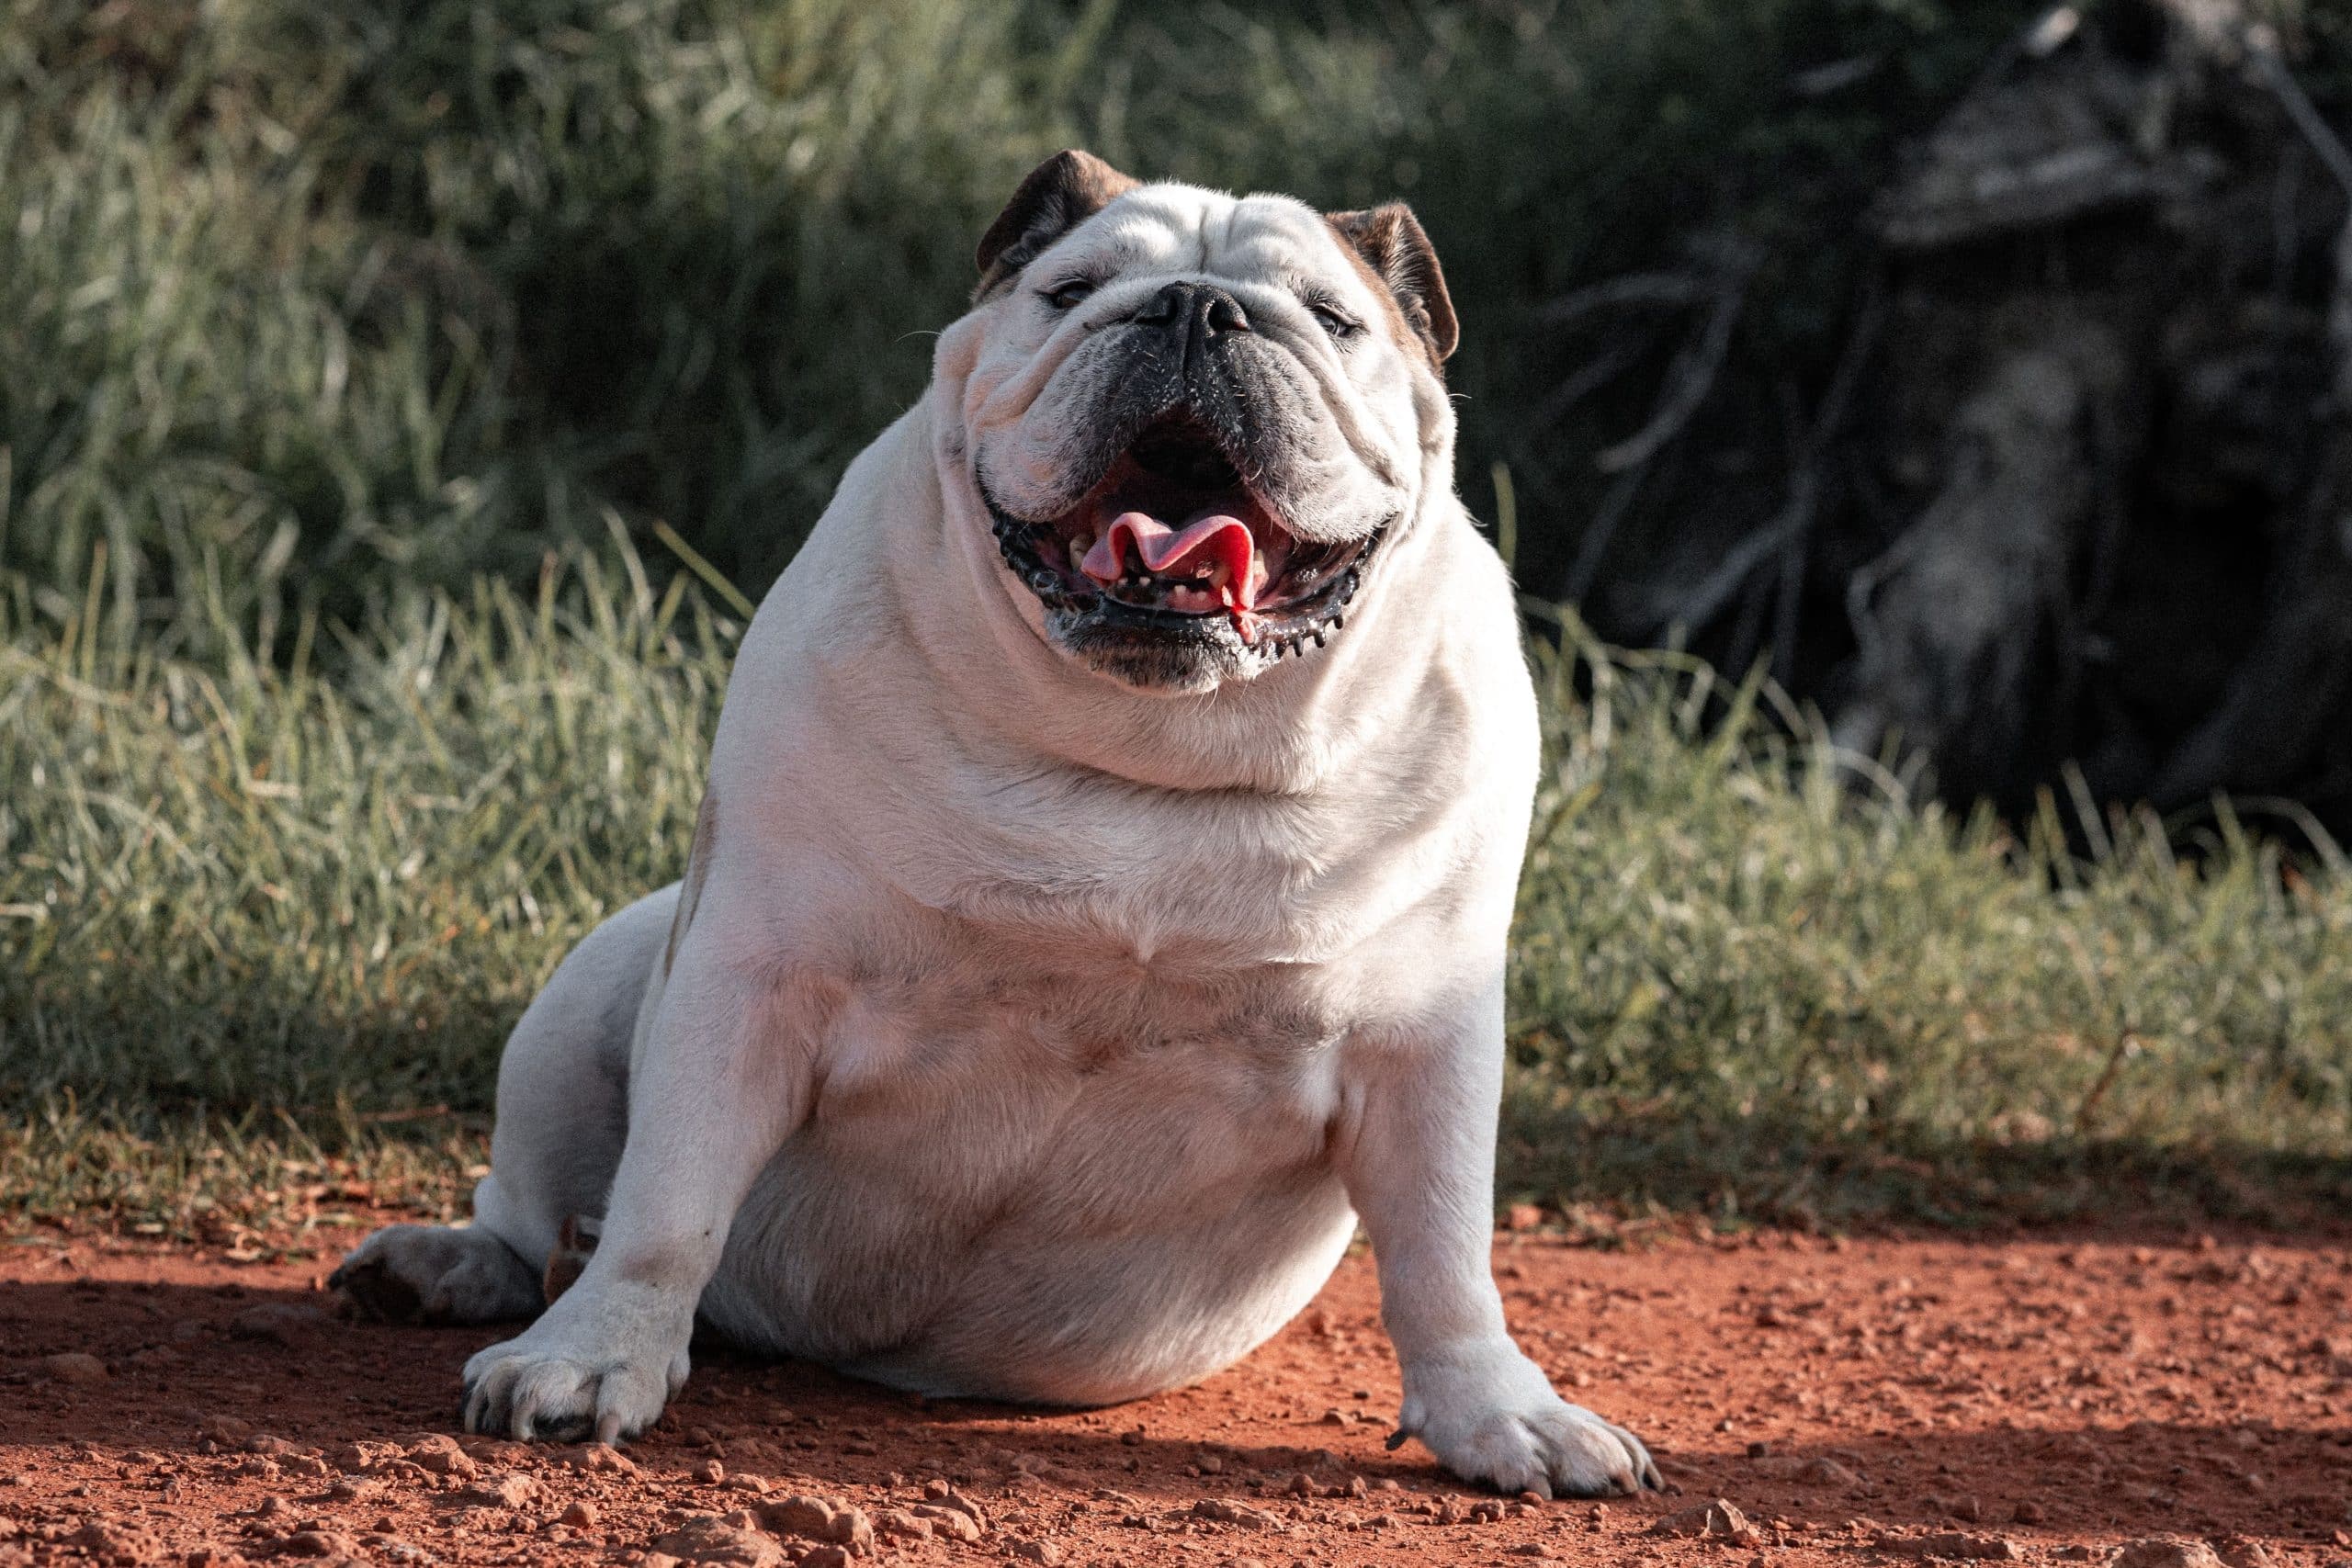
1391	243
1059	194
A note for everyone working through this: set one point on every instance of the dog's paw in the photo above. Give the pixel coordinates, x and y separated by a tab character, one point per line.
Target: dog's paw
596	1365
435	1274
1491	1416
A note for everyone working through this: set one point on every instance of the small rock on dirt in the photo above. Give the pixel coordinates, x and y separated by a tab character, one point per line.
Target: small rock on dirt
1225	1511
901	1525
226	1431
950	1521
580	1515
600	1458
72	1367
280	1323
708	1539
2239	1552
508	1491
320	1543
1951	1543
1043	1552
1714	1520
439	1452
818	1518
118	1543
2164	1551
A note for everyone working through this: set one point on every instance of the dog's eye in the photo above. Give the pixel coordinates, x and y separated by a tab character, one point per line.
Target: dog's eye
1333	321
1064	295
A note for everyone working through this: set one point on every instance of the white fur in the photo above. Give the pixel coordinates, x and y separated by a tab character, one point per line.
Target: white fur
1037	1037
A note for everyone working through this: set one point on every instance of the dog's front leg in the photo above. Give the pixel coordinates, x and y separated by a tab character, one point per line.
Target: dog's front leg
1420	1167
709	1103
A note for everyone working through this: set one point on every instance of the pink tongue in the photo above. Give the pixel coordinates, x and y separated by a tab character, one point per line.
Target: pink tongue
1171	552
1177	553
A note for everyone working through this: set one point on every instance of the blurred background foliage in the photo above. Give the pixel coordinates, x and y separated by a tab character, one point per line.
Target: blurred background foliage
321	304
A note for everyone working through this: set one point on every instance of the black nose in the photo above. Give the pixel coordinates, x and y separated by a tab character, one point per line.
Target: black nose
1193	307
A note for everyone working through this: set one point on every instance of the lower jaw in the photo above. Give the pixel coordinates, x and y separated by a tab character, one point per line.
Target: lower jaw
1273	634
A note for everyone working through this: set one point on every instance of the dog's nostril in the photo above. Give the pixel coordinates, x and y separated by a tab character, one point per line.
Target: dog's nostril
1213	309
1163	308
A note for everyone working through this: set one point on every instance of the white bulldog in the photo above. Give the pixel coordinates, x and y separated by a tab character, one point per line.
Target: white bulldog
1100	896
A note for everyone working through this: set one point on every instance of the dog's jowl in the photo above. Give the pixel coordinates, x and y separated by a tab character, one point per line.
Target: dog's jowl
1123	796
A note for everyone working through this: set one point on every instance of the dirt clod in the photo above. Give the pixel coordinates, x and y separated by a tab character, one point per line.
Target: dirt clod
72	1367
1714	1520
2166	1551
707	1539
1951	1543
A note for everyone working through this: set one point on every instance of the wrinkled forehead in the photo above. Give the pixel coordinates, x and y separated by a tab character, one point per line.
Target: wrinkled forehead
1177	227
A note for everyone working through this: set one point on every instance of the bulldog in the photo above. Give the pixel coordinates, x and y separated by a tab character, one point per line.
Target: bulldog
1099	901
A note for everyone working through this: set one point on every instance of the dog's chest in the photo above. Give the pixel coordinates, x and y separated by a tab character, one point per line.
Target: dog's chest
1000	1074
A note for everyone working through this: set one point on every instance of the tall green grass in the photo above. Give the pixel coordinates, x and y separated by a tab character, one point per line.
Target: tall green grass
316	304
235	895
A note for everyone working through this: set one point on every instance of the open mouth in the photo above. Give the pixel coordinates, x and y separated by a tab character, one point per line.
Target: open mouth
1174	538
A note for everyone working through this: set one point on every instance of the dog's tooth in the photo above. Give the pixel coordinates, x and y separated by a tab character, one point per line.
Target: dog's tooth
1078	549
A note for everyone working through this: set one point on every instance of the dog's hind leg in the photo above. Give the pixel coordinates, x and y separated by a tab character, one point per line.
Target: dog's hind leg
562	1116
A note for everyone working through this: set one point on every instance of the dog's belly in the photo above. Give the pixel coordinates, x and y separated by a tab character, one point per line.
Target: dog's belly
997	1215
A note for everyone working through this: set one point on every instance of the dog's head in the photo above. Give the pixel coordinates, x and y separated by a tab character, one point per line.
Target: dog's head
1193	421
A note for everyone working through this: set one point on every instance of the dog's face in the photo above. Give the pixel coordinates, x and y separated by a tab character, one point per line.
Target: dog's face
1195	420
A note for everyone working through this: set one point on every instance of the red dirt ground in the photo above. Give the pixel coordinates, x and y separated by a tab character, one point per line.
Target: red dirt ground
1862	1403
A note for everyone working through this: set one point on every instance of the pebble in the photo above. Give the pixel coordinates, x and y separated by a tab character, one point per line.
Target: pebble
1043	1552
900	1523
72	1367
600	1458
280	1323
708	1539
508	1491
439	1452
2164	1552
819	1518
1716	1519
1951	1543
320	1543
951	1521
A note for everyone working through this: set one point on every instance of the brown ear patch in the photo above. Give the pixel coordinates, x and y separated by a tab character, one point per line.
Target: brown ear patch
698	869
1058	195
1394	250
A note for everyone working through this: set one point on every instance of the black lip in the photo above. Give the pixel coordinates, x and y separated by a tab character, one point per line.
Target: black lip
1310	619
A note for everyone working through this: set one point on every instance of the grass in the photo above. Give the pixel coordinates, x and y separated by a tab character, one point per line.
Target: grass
262	934
311	304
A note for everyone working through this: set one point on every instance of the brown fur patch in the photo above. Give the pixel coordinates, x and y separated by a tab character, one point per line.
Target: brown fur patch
574	1244
1394	254
697	868
1058	195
